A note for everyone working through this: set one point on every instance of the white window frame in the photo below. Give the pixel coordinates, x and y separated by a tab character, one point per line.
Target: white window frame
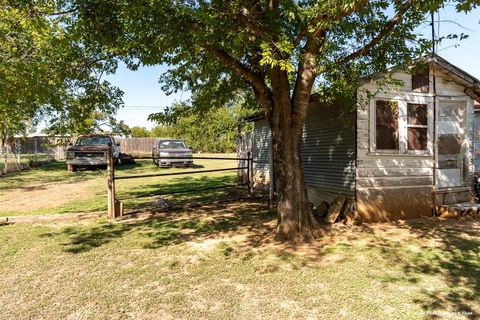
402	124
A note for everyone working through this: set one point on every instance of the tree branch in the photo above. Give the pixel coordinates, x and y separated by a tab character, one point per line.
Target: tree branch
252	26
306	76
327	18
254	79
385	32
59	13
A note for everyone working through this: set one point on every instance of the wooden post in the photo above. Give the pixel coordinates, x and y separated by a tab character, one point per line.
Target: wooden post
36	150
110	185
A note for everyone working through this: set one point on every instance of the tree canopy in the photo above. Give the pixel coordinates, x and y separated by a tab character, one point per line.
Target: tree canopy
49	70
214	130
216	48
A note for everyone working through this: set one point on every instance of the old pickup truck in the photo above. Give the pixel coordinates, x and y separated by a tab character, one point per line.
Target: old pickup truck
172	152
91	150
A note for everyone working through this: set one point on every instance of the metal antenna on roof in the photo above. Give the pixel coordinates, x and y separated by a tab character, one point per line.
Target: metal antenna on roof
432	15
434	105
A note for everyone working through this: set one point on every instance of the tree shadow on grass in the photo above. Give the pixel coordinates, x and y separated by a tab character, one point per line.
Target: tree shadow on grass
83	240
182	191
209	225
173	226
450	252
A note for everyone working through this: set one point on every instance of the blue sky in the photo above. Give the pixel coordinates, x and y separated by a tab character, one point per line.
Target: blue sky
144	95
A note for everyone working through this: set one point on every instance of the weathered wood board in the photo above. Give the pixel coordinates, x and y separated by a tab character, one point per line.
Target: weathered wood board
335	209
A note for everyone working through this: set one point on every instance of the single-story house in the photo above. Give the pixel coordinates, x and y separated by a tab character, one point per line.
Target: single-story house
404	151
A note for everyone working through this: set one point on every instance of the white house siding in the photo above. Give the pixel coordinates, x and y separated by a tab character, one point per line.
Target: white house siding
328	153
395	186
477	141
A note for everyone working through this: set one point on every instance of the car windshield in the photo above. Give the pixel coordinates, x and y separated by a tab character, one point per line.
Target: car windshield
172	144
88	141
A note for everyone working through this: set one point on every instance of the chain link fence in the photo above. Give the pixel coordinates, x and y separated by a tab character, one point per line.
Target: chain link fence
22	153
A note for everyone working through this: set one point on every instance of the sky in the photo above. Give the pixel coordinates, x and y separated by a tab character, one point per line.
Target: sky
143	94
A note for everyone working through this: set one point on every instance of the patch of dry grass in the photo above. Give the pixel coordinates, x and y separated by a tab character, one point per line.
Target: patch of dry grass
52	189
220	262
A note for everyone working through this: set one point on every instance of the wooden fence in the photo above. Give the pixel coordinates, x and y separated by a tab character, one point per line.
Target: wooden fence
136	146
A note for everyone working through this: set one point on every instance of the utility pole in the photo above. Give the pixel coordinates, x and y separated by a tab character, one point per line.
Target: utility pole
434	129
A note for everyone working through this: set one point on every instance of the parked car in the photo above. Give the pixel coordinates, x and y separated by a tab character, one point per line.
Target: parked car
91	150
172	152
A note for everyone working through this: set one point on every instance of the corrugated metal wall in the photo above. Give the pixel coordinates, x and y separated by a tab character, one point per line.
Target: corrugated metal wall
262	139
328	150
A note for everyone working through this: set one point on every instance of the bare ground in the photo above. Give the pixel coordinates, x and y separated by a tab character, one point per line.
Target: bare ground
42	196
249	223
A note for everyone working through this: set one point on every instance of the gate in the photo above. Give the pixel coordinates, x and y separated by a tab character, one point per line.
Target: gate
115	206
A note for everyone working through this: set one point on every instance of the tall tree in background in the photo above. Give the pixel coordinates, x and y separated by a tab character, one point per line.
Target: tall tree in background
277	49
139	132
50	70
162	131
210	130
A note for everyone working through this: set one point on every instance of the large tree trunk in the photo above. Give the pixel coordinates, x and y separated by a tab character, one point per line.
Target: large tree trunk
285	110
295	220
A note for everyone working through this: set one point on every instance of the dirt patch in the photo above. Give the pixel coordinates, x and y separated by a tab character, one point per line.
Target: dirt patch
42	196
250	225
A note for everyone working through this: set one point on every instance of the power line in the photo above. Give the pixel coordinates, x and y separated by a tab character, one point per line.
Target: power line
144	107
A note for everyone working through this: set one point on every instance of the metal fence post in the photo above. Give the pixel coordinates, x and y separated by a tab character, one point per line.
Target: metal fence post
18	149
110	185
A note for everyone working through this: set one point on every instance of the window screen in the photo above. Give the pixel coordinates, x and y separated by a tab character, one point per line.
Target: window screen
386	125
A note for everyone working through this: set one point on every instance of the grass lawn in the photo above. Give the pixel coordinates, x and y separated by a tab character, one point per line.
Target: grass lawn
218	261
25	159
52	189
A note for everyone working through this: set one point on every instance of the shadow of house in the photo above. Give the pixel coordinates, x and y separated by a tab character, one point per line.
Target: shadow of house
407	152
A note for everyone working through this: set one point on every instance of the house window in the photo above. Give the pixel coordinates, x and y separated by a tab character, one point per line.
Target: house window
386	122
420	81
400	127
417	126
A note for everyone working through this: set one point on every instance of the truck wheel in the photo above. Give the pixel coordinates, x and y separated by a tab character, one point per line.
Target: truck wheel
71	167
